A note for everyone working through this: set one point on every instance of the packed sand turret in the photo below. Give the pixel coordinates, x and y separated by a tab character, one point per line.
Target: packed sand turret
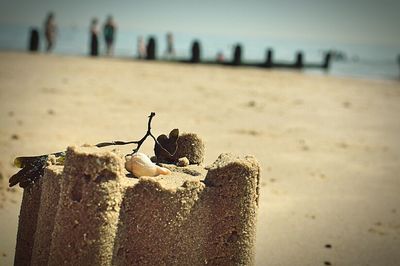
27	224
90	212
51	186
87	216
193	217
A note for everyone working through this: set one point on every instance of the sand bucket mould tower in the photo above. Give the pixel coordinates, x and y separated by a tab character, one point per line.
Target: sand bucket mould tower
89	211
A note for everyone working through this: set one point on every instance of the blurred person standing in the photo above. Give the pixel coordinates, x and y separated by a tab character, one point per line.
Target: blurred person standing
94	42
50	31
220	57
141	48
170	52
109	30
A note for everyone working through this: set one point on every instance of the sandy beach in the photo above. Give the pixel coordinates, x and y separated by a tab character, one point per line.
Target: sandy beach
329	147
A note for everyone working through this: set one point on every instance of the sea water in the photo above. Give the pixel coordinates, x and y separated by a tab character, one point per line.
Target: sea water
362	60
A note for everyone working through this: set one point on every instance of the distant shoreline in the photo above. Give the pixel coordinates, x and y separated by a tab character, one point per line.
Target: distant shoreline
133	58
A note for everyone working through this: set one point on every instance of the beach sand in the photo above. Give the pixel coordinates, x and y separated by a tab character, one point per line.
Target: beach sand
329	147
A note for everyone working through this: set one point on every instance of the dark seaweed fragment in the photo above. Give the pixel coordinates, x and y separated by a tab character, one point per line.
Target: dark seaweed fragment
32	168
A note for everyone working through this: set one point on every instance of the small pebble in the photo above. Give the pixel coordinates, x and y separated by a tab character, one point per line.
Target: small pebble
14	137
182	162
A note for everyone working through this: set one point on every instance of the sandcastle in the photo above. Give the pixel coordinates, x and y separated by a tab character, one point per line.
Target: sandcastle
89	212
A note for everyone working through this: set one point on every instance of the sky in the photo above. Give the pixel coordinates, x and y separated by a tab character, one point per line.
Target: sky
352	21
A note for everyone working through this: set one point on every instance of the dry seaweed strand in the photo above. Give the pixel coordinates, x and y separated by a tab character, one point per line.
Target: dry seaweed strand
33	166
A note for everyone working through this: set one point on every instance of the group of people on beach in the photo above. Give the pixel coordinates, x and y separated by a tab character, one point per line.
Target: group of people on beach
109	30
51	30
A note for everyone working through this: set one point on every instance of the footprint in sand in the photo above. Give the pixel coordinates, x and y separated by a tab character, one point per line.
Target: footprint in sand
343	145
303	145
250	132
310	216
298	102
251	104
346	104
50	90
256	106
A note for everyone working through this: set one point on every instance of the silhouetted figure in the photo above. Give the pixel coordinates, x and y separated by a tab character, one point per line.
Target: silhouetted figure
195	52
34	40
299	60
327	61
141	48
50	31
109	30
94	41
170	52
151	49
237	55
269	58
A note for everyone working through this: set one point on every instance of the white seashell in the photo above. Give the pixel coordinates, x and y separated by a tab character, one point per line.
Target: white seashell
141	165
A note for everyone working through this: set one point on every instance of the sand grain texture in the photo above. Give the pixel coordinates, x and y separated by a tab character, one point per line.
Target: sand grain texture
87	215
191	220
51	187
28	218
91	213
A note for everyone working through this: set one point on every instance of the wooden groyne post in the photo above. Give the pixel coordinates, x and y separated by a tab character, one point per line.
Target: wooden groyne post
33	40
299	60
196	52
237	55
151	49
269	58
327	61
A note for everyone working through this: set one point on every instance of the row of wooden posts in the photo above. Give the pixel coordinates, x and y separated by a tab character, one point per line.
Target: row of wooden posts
236	60
195	57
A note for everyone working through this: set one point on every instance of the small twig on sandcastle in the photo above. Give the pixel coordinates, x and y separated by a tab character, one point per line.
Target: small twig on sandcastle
33	166
88	211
